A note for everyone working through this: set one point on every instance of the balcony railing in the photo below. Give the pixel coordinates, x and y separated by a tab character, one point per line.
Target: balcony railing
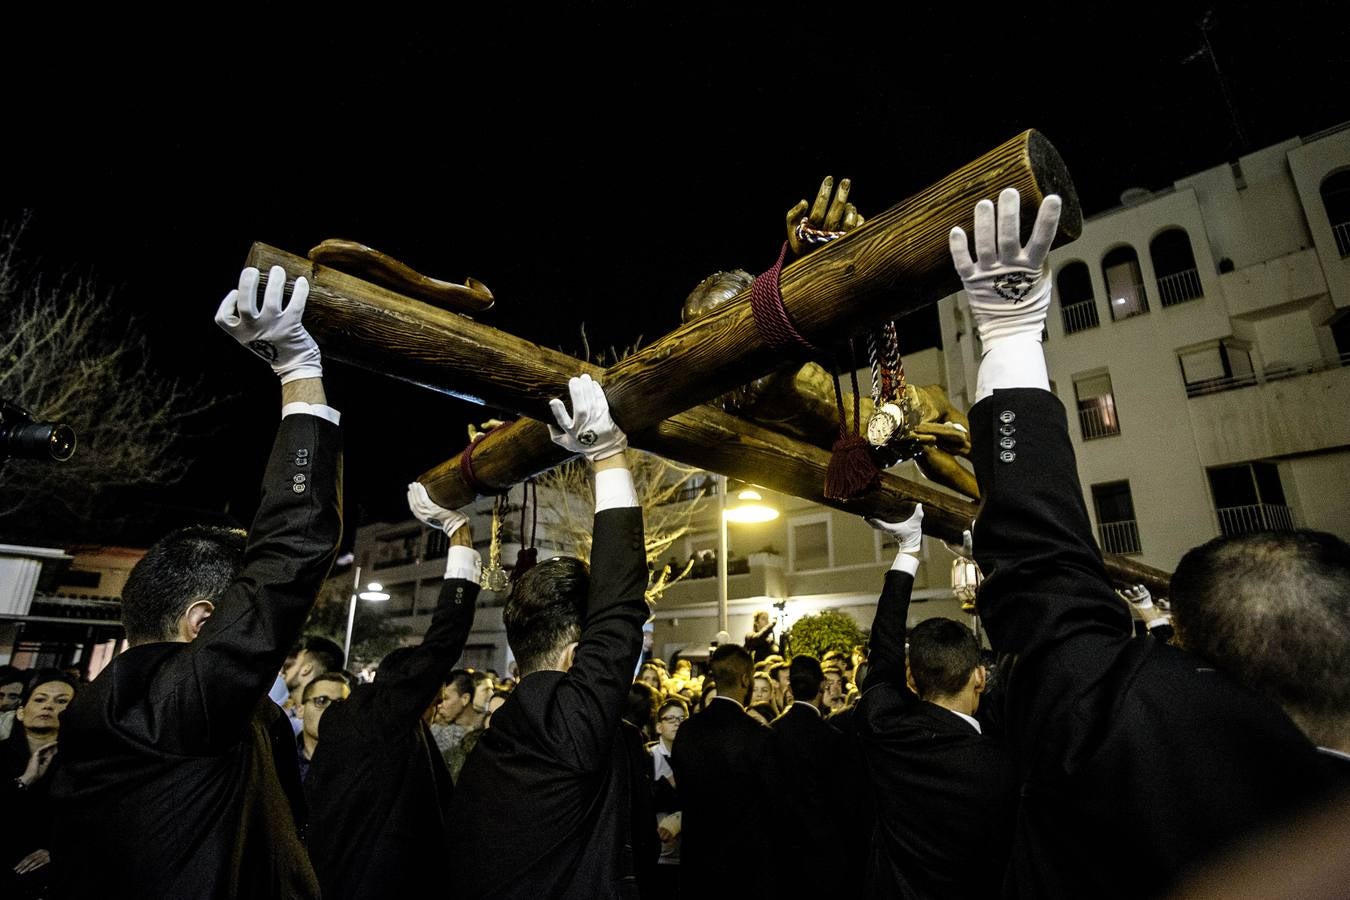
1342	232
1256	517
1274	372
1080	316
1119	537
1180	287
1098	422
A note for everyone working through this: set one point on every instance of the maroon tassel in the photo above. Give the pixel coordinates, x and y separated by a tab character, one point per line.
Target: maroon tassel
852	471
525	561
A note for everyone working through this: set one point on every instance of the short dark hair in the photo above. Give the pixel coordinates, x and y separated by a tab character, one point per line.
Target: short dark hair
466	681
728	665
12	674
185	566
805	677
336	677
643	702
39	677
1272	611
545	610
942	654
325	654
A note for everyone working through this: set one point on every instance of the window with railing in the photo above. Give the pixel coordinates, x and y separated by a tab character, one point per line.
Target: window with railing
1174	264
1243	375
1216	366
1077	305
1124	284
1117	529
1096	405
1249	497
1336	202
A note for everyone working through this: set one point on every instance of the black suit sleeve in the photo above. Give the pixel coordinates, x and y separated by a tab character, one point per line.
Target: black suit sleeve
1044	577
212	688
886	648
590	698
404	692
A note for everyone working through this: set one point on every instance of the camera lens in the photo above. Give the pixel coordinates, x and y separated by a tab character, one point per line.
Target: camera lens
39	441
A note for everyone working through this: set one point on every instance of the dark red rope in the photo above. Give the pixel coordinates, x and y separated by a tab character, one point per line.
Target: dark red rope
466	469
772	320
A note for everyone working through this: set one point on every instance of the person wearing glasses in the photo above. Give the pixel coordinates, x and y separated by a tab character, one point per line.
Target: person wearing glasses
666	798
319	694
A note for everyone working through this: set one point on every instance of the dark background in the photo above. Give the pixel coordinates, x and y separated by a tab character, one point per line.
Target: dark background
590	163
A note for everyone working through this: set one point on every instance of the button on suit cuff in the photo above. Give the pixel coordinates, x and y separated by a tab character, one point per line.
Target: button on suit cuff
614	489
1012	363
299	407
905	562
464	562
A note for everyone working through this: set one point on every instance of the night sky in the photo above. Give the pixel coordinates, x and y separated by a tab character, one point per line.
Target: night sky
590	163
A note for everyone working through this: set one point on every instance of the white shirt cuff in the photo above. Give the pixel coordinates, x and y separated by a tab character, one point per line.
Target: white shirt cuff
614	489
1154	623
299	407
464	562
1012	363
905	562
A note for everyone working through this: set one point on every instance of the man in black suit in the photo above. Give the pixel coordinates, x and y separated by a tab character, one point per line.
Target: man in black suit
543	803
1119	742
945	792
726	774
166	785
814	785
378	790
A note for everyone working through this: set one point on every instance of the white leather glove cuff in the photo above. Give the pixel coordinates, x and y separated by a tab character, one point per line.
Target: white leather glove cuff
614	489
905	562
1012	363
304	370
464	562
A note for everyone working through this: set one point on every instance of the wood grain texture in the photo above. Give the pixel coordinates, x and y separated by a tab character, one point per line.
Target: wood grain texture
379	268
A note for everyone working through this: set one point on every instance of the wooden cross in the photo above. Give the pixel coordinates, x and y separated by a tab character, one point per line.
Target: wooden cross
893	264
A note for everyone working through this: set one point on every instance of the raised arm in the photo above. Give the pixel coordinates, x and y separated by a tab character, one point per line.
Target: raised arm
405	689
886	647
294	536
1044	578
592	694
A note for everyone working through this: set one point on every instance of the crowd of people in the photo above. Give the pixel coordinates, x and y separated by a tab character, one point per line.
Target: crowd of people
1082	754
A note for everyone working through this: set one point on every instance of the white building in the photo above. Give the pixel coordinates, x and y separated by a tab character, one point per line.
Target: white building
1199	339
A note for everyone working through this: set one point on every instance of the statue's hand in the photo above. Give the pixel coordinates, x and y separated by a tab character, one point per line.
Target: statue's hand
831	211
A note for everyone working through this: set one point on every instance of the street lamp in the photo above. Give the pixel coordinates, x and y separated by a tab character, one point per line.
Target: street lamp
749	507
374	592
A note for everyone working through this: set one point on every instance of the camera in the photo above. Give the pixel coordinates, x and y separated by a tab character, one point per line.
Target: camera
23	438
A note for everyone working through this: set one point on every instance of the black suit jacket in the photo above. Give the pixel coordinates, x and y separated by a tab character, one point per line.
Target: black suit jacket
378	789
167	785
543	803
726	773
815	784
945	793
1119	742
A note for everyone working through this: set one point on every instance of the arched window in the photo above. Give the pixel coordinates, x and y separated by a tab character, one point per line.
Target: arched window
1077	306
1174	264
1336	200
1124	283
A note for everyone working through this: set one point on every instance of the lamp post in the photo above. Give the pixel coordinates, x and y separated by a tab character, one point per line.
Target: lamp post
374	591
749	507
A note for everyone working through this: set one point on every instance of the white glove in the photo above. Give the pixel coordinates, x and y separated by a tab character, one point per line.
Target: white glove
428	513
275	334
908	533
589	430
1008	284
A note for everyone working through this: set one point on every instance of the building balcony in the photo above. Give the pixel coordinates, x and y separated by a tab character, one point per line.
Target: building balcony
1256	517
1273	372
1180	287
1079	316
1119	537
